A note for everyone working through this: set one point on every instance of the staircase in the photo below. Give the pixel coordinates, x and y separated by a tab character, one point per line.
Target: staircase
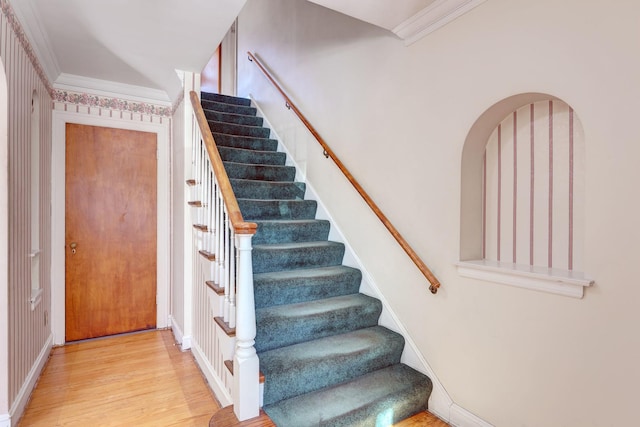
325	359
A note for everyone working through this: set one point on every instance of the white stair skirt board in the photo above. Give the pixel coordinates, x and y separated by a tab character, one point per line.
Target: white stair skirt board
215	384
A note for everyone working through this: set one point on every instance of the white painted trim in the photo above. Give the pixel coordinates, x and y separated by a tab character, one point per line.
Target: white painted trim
5	420
180	338
460	417
60	118
439	402
432	17
216	386
555	281
36	297
30	382
74	83
191	81
37	35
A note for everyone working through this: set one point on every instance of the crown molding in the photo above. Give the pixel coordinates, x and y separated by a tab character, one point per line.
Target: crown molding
31	24
106	88
432	17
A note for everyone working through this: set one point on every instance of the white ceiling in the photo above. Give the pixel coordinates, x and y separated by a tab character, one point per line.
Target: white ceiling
382	13
132	46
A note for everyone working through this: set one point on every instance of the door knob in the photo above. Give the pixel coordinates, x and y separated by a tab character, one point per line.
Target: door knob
73	246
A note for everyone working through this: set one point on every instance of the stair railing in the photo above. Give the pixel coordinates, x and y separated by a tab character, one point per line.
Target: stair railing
328	153
228	244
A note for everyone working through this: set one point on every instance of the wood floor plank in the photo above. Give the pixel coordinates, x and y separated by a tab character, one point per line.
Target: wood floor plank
138	379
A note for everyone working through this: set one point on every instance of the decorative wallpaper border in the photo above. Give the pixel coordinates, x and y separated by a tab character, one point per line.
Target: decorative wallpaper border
75	97
7	10
111	103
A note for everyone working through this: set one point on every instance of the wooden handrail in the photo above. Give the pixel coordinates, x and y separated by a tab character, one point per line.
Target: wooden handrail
328	153
240	226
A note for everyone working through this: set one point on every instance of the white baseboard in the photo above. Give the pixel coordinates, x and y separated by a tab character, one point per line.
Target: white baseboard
460	417
217	387
27	387
5	420
183	340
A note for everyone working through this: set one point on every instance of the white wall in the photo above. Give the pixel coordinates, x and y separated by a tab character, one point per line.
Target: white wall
398	118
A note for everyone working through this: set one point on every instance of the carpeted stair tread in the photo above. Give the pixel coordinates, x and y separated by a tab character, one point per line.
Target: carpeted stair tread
225	98
245	142
238	119
261	172
301	285
380	398
223	107
291	230
285	325
288	256
274	190
240	130
312	365
259	209
241	155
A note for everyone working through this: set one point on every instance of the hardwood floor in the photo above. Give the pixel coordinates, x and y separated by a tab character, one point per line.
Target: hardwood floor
140	379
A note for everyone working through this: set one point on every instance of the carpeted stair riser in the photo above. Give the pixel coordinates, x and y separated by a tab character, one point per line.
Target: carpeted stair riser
289	231
263	172
228	108
238	119
245	142
285	325
240	155
257	189
255	210
292	287
240	130
378	399
225	98
310	366
289	256
325	360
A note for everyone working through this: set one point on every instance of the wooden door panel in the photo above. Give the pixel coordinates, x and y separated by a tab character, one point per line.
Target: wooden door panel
111	217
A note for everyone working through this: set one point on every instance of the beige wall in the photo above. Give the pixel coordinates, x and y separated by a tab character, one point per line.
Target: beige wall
29	331
398	118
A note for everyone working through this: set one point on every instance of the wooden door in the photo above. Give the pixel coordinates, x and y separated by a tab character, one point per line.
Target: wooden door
111	219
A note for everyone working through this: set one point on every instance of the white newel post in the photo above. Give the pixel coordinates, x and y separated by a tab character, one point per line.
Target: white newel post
246	382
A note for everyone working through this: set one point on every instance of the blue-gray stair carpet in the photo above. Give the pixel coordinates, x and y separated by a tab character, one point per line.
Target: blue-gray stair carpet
325	359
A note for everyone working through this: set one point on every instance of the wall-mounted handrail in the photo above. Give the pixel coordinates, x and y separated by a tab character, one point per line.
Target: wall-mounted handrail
240	226
434	283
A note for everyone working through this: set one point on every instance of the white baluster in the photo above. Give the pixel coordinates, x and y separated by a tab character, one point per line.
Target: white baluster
231	267
246	397
222	265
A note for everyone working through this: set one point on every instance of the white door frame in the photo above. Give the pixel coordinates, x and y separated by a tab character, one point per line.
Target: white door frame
163	132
